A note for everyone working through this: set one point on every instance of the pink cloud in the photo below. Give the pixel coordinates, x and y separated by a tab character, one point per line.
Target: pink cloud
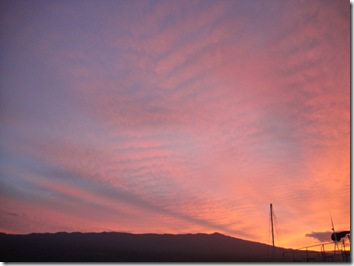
197	123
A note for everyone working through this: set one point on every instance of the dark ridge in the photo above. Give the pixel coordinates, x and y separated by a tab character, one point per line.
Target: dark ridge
126	247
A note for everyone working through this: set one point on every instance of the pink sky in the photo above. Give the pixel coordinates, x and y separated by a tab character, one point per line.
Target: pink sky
175	117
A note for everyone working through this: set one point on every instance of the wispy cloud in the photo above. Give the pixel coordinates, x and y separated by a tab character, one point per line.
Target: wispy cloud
321	236
193	115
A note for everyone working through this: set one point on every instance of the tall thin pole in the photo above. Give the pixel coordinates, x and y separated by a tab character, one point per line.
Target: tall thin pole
271	221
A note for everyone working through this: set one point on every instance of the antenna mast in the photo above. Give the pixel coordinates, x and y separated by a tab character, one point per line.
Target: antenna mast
271	221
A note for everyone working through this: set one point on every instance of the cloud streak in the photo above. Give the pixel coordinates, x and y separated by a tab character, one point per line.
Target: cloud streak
193	115
321	236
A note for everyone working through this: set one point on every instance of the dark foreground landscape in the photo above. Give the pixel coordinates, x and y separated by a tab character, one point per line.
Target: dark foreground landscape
124	247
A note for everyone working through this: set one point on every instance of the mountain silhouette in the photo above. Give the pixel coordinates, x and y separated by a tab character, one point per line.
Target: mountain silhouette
126	247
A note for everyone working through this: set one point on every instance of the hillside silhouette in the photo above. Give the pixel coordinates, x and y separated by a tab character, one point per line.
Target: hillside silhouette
126	247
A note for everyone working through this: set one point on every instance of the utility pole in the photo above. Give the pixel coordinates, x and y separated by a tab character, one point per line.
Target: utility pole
271	221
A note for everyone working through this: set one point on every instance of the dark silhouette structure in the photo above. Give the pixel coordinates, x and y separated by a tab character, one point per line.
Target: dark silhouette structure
336	237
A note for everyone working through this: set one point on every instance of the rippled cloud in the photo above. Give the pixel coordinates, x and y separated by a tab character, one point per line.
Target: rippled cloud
175	117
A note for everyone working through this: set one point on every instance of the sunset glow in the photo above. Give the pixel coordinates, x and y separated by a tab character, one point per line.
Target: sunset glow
176	117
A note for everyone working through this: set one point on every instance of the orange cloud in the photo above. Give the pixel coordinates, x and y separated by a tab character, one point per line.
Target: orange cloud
192	115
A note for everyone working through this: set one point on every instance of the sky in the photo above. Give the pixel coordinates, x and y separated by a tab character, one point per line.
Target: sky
176	117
